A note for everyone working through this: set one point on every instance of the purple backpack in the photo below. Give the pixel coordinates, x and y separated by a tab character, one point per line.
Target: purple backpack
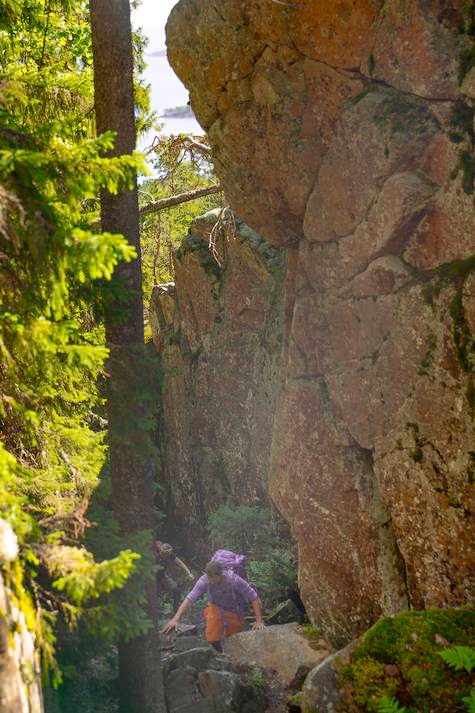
231	562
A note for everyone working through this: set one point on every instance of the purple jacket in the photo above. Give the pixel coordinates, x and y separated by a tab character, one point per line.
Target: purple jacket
233	595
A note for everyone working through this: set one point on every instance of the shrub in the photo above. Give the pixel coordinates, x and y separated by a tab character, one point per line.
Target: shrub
243	529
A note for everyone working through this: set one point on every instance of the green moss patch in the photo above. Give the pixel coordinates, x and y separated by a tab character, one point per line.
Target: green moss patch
400	657
310	631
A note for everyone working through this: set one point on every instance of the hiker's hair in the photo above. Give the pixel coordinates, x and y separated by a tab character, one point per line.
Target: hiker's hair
165	548
213	569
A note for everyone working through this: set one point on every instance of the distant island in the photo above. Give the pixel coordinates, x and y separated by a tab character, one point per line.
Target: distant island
159	53
179	112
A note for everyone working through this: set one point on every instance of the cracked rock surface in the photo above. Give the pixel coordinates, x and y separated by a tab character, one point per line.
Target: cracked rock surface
219	331
344	131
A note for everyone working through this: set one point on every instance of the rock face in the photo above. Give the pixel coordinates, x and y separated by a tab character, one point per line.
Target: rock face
345	131
20	679
219	331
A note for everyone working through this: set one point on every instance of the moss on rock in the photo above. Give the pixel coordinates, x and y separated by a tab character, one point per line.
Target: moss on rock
399	656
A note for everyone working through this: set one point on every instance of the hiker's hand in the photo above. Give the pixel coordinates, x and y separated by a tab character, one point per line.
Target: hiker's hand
258	625
191	576
170	626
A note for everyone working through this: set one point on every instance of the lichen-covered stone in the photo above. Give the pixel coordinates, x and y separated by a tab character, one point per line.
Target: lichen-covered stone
20	676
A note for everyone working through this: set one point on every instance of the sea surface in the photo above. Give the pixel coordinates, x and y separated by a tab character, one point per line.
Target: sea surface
166	91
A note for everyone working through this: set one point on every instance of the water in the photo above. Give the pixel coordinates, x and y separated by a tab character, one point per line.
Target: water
166	91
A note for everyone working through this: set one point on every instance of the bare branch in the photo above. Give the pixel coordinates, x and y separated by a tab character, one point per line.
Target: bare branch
225	229
178	199
171	201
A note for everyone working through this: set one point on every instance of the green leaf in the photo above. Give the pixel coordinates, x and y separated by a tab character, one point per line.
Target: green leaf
470	701
390	705
459	658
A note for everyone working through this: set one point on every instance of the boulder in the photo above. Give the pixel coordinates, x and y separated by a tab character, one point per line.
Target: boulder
398	657
182	692
322	690
284	648
197	658
184	643
203	681
221	688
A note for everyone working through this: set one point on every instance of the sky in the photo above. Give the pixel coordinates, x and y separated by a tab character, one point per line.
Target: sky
152	15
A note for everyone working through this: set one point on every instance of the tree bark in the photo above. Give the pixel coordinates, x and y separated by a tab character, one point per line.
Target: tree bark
141	689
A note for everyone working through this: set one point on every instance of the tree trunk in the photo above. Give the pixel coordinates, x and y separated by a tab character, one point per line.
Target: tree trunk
141	689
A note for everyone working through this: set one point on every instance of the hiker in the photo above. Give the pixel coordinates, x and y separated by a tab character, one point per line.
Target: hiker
169	563
228	596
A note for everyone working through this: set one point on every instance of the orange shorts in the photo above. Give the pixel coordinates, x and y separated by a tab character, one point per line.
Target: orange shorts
220	624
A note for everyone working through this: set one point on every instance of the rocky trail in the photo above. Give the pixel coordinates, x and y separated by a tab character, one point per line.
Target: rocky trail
259	671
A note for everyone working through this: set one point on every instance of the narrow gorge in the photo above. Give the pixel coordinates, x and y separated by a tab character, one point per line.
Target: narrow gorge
324	357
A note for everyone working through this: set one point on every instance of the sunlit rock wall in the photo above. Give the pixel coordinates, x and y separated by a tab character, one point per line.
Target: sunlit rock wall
219	332
20	679
344	130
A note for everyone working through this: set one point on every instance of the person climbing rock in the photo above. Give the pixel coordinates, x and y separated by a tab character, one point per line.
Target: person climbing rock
171	566
228	597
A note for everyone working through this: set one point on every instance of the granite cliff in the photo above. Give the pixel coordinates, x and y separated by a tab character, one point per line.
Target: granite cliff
343	135
219	330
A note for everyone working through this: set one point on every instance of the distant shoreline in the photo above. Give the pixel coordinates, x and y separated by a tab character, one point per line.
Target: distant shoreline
188	115
178	112
158	53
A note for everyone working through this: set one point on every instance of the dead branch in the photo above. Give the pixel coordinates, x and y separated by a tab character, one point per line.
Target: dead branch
76	520
224	229
173	145
178	199
170	202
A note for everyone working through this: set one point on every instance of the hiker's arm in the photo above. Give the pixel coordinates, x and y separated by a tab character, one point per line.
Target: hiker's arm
257	607
184	607
183	566
249	593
